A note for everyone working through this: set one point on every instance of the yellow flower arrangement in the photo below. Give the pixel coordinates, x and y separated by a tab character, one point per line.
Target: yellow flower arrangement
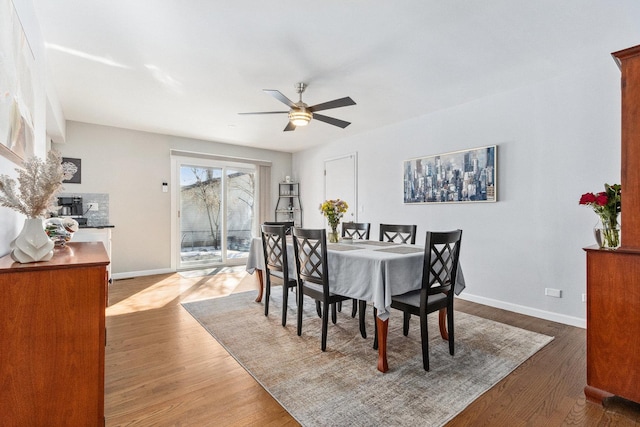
334	210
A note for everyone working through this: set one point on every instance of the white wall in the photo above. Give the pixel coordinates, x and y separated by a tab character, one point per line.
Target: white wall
11	222
131	166
556	140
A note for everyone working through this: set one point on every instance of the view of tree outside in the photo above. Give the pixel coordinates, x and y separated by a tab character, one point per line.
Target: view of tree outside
240	212
201	213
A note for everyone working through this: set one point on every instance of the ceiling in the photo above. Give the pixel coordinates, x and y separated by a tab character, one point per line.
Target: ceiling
188	68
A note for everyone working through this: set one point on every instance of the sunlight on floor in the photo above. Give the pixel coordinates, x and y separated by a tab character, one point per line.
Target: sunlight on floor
176	286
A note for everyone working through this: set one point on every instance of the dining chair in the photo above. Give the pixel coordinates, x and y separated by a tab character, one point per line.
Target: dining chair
310	247
398	233
358	230
288	225
440	266
274	247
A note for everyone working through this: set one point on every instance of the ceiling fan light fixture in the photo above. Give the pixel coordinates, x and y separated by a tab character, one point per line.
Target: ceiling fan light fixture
300	117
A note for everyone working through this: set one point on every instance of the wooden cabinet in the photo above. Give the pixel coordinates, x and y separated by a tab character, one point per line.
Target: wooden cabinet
613	324
613	276
52	338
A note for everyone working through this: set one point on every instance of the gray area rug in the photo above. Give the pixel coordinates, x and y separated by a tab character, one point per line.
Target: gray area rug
211	271
342	386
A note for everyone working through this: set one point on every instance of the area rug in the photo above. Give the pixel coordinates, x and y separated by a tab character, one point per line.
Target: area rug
342	386
211	271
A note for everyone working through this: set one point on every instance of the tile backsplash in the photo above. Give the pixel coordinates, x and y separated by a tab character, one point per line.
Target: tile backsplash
94	218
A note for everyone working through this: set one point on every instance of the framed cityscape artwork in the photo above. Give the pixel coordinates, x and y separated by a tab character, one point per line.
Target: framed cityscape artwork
456	177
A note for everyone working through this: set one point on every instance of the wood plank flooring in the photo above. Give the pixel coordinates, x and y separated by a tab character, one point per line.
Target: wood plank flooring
164	369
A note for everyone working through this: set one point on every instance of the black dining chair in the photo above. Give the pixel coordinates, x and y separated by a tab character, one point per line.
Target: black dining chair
312	270
441	255
356	230
274	247
398	233
288	225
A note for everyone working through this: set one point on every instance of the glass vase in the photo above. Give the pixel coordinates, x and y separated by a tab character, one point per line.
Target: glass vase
333	234
607	233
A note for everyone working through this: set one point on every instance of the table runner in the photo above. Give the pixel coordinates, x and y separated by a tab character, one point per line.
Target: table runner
402	250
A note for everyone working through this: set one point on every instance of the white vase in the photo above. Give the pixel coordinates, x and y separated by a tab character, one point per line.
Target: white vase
32	244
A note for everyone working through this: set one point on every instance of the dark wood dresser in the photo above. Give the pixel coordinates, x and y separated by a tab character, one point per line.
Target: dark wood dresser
613	276
52	338
613	324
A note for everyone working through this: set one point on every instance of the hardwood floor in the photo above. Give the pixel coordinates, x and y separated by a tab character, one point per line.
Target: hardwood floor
164	369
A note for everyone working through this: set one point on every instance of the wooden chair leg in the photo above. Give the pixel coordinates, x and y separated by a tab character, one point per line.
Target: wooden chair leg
375	328
424	337
361	317
339	305
318	309
285	302
334	314
451	331
267	294
325	325
300	301
354	309
406	318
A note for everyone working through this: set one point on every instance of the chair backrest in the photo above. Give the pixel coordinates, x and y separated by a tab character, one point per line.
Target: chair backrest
358	230
310	247
398	233
274	247
288	225
441	254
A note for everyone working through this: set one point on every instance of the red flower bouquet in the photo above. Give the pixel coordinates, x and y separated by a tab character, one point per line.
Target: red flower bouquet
607	205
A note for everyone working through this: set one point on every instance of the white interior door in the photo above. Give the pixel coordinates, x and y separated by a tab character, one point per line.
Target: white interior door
340	182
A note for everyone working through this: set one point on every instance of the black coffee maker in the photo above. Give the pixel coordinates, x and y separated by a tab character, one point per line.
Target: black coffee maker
72	206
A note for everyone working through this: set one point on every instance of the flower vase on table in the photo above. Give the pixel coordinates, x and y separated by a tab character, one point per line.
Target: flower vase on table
333	234
333	210
38	183
607	205
32	244
607	233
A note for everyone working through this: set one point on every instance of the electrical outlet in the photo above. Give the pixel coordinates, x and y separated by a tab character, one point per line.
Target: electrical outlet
556	293
93	206
584	297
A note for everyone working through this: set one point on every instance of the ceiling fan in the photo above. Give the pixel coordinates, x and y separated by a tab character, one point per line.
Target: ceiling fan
301	114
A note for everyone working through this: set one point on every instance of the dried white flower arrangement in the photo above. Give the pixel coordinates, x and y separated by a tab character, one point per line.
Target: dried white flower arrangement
39	184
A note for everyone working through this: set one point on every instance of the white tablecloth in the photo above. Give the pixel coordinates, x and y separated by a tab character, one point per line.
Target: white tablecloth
364	271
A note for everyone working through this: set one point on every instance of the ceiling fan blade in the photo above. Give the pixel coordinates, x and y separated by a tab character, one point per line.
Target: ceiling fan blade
331	120
290	126
280	97
266	112
336	103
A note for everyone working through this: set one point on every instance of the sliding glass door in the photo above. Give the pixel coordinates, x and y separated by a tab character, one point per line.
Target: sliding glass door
216	212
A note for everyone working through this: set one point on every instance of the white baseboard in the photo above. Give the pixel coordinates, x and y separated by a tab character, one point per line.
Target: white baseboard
542	314
130	274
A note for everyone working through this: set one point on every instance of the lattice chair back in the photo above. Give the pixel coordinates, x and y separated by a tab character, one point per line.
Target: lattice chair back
288	225
442	251
356	230
398	233
310	247
274	246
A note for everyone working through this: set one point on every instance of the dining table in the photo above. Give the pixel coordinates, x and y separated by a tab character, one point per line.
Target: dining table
367	270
